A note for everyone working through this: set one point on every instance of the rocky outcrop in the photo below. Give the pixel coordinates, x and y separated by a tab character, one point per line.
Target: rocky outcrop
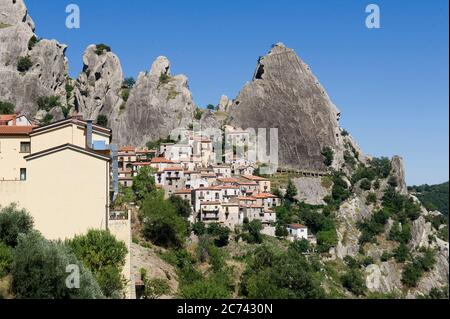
312	190
349	214
99	85
224	104
157	104
398	171
48	72
284	94
384	278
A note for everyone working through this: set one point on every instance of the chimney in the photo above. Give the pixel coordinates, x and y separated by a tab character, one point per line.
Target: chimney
88	133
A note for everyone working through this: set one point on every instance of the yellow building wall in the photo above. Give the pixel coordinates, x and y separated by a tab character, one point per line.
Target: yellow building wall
67	193
11	160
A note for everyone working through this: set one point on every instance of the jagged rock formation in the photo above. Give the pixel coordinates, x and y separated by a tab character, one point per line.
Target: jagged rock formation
48	73
158	103
398	171
224	104
284	94
311	190
98	86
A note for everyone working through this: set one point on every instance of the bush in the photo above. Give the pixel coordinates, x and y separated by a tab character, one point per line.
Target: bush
401	253
328	155
13	222
48	103
205	289
281	231
164	79
6	108
392	181
39	271
102	120
32	42
326	239
24	64
99	249
182	206
144	183
382	166
365	184
253	232
161	224
102	48
219	233
155	288
354	281
371	198
280	275
385	256
128	83
104	255
198	114
48	118
199	228
411	274
291	192
6	259
299	246
210	107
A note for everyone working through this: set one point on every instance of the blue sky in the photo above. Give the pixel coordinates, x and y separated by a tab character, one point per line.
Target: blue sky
391	84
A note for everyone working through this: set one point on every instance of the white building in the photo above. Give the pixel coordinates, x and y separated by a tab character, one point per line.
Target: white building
297	231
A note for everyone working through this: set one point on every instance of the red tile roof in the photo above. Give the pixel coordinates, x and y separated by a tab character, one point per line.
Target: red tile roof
173	168
264	195
254	178
158	160
127	149
15	130
228	180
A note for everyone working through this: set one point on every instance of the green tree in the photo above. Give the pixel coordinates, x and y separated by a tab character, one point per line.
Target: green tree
401	253
210	107
6	108
299	246
6	259
371	198
219	233
144	183
326	239
291	191
161	223
199	228
365	184
354	281
13	222
155	288
253	232
104	255
39	271
129	82
198	114
182	206
48	103
281	230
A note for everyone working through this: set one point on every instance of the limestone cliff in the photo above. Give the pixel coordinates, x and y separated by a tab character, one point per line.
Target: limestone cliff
158	103
285	94
47	74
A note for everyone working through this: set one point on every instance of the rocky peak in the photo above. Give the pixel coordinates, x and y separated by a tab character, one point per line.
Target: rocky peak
398	171
99	84
160	66
48	71
284	94
14	12
156	105
224	103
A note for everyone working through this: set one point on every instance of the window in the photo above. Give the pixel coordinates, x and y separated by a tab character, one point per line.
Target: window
23	174
25	147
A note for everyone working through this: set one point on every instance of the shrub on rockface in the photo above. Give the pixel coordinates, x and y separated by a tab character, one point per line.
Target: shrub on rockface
24	64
